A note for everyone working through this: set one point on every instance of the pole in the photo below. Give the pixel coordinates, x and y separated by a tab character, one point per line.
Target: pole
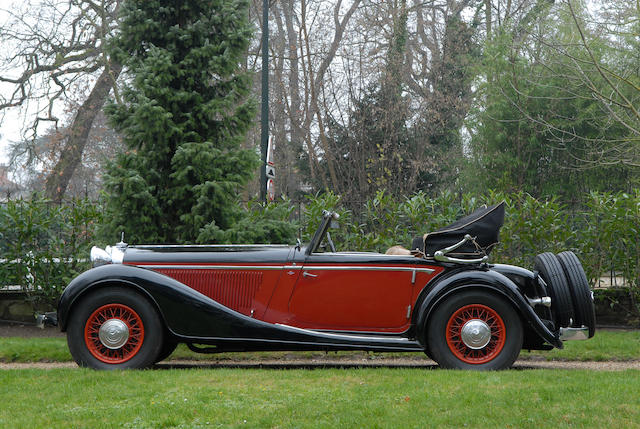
264	115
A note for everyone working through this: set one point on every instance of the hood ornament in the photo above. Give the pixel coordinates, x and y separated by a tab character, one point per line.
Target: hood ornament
121	244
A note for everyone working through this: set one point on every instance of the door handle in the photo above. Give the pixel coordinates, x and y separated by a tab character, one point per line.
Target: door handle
307	274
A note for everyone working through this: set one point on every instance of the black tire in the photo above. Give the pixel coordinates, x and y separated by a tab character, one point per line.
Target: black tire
549	268
585	313
168	346
494	351
136	332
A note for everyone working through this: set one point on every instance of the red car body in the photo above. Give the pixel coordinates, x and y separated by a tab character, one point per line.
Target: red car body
138	302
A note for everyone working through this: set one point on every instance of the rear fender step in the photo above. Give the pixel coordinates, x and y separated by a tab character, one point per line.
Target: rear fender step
569	334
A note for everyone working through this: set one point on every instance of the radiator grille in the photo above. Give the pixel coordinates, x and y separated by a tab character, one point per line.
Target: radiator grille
232	288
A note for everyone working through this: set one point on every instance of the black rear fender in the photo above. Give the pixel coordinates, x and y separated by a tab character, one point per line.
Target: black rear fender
482	279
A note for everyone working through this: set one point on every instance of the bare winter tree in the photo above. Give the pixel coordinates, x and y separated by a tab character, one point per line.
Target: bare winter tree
613	82
55	58
304	45
326	56
86	180
590	56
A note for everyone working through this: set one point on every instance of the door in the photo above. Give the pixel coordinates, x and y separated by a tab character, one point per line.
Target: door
335	294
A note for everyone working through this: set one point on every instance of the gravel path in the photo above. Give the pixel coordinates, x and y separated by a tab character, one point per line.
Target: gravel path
28	331
16	330
343	363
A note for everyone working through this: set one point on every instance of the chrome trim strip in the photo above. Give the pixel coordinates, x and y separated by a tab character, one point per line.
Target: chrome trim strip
376	255
350	335
213	267
204	246
286	267
365	268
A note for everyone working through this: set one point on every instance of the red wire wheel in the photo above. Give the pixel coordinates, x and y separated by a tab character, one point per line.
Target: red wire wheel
475	334
114	333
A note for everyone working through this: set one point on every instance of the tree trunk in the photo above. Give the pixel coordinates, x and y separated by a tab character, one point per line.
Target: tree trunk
487	14
58	179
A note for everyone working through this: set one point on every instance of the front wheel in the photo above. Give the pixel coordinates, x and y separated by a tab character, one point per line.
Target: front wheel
114	328
475	330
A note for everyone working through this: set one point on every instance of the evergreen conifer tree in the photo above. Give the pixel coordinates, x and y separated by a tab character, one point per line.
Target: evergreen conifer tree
184	113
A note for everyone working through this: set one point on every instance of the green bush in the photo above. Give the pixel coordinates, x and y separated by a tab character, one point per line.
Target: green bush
44	245
264	223
603	231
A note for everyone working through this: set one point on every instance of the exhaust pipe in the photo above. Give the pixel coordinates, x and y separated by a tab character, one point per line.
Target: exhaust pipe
46	319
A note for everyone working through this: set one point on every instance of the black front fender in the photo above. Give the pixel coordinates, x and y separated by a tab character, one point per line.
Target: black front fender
181	307
483	279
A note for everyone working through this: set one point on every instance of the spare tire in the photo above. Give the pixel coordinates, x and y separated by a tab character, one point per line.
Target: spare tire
584	309
549	268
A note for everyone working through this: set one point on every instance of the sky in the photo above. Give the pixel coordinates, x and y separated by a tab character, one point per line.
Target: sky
12	121
10	131
9	120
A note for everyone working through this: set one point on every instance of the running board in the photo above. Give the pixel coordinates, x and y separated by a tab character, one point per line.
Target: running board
279	337
383	342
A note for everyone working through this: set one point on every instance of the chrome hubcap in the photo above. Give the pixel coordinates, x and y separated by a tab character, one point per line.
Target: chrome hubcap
475	334
114	333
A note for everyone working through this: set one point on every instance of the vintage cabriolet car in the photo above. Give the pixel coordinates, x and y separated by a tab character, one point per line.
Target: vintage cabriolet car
441	297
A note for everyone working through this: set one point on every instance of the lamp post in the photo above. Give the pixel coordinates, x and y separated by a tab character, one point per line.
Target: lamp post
264	136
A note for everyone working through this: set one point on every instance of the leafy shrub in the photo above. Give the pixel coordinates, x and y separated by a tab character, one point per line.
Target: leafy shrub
271	223
44	245
531	227
604	232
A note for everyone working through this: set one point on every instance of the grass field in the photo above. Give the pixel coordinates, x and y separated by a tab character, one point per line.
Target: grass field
606	345
322	398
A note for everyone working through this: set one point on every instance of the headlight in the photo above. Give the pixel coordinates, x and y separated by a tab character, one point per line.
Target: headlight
99	257
110	255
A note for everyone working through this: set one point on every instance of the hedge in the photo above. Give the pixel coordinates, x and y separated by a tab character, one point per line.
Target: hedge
44	245
602	230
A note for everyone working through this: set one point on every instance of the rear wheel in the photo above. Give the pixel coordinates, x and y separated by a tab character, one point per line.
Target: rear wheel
580	292
114	328
475	330
549	268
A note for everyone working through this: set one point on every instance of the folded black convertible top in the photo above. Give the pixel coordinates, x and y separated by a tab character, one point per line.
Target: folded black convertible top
483	225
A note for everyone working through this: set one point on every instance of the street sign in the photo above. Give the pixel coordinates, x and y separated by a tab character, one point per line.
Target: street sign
271	171
270	152
271	190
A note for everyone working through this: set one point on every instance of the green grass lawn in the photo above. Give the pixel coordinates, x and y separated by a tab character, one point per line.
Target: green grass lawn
320	398
606	345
